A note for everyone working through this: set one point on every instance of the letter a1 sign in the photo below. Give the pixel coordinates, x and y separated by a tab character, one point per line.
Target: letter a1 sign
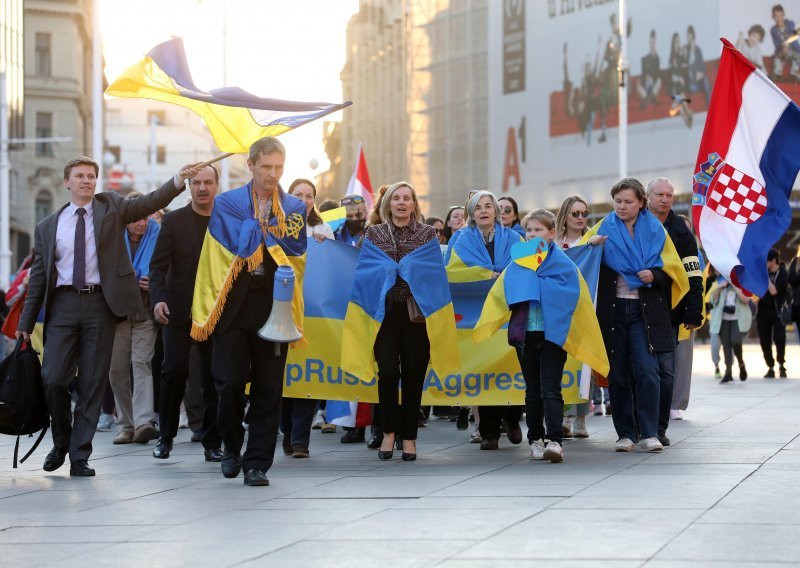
511	162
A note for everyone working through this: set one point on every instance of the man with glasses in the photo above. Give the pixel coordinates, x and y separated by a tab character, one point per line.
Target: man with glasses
353	228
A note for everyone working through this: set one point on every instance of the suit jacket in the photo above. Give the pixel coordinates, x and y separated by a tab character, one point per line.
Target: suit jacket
173	266
111	213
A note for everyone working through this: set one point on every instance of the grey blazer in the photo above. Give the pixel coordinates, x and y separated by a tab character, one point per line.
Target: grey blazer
119	286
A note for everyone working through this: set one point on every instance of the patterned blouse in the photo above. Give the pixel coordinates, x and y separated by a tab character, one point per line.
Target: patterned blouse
406	240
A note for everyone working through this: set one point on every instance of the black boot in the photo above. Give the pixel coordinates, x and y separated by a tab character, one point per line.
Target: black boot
376	438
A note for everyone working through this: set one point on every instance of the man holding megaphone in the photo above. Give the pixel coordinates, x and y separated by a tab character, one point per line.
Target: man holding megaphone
253	230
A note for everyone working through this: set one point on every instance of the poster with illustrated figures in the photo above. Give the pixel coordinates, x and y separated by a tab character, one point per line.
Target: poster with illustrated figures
553	87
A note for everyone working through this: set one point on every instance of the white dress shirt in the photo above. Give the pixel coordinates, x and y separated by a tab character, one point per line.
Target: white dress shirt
65	246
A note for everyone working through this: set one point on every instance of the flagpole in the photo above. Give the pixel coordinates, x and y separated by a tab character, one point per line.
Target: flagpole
214	160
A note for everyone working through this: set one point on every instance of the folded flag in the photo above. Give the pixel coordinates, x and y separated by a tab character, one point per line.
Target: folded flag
376	274
746	167
234	117
144	252
334	217
467	259
554	282
234	242
650	247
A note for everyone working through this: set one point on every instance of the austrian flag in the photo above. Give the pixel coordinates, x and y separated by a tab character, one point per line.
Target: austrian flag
747	164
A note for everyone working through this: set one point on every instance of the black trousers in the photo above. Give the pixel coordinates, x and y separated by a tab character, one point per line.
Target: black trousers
175	374
401	347
79	335
770	328
240	356
542	364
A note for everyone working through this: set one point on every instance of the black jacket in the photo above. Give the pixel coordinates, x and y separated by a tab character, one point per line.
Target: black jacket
173	266
794	281
655	309
690	309
770	303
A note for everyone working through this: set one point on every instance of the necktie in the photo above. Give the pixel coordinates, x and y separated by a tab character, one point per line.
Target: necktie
79	262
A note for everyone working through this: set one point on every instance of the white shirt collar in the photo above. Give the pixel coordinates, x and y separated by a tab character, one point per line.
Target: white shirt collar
72	208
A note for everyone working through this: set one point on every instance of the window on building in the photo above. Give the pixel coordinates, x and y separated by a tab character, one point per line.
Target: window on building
43	54
161	154
160	116
44	205
44	129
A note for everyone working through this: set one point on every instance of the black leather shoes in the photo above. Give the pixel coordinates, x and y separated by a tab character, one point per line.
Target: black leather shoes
55	459
231	465
664	440
489	444
80	468
353	436
162	449
255	478
213	455
514	433
385	455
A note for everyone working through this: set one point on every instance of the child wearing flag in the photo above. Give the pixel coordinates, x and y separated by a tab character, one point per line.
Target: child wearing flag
551	315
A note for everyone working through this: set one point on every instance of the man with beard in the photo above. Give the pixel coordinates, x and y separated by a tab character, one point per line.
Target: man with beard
353	229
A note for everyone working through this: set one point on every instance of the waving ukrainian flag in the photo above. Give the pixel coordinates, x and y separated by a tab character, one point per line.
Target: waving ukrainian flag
650	247
235	117
548	277
376	274
233	242
467	259
335	218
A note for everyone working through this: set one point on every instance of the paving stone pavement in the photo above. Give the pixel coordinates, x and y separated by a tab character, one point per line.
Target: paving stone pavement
725	494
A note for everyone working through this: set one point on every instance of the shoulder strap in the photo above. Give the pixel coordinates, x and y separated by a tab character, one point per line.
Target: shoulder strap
33	449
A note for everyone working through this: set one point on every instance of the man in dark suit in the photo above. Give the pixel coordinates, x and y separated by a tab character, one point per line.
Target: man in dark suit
173	268
83	277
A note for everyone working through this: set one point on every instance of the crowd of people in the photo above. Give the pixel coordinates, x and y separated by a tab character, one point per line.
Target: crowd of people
121	285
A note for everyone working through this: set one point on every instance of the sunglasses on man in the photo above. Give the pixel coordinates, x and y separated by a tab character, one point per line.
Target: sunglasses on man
352	200
576	214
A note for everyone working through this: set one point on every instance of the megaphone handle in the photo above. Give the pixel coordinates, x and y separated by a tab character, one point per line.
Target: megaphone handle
277	350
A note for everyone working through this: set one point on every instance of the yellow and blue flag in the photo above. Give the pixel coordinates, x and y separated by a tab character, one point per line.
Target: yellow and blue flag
335	218
467	259
554	282
234	117
234	242
650	247
376	274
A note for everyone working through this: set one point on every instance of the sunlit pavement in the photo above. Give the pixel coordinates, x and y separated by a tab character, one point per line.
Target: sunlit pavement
726	493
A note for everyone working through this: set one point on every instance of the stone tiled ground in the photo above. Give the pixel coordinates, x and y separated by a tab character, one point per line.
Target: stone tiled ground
726	493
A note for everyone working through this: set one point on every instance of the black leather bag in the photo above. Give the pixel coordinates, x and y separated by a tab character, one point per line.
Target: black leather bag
23	409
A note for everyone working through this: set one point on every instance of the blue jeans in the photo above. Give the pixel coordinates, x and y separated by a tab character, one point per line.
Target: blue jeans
633	379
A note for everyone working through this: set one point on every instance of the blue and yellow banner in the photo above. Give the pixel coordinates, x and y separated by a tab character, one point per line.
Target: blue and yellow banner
489	373
234	117
234	242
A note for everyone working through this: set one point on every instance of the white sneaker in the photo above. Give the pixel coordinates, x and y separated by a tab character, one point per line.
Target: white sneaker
651	445
475	436
106	423
183	421
537	449
318	421
553	452
624	445
579	427
676	414
566	427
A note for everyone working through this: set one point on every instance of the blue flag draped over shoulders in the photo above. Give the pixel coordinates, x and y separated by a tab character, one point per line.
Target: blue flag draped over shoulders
467	259
147	244
628	255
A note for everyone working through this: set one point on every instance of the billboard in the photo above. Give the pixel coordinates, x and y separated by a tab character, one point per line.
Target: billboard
553	96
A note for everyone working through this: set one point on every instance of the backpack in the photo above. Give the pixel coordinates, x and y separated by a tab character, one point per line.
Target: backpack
23	409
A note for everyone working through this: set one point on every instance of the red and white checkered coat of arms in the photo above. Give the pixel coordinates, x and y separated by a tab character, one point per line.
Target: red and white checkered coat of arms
736	196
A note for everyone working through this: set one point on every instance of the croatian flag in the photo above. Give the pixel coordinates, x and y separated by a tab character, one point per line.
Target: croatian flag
359	182
747	164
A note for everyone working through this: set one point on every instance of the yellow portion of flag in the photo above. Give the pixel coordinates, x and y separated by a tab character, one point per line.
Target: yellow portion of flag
458	271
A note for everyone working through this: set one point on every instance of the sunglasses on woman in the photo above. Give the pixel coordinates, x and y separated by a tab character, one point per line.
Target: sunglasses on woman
352	200
576	214
508	209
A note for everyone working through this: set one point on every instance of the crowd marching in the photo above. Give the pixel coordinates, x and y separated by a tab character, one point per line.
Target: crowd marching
151	320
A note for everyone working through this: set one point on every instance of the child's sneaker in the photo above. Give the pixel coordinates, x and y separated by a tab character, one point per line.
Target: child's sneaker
553	452
537	449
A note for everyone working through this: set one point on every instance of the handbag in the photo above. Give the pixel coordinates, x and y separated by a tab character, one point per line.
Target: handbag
415	314
785	313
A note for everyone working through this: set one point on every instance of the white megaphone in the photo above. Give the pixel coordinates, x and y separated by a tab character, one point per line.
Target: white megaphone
280	326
